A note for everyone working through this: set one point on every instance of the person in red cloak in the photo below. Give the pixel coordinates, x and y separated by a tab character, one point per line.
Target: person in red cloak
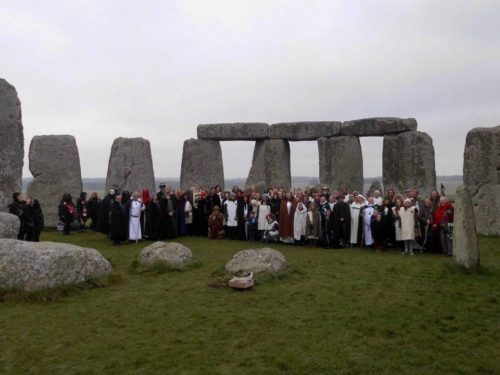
287	211
443	224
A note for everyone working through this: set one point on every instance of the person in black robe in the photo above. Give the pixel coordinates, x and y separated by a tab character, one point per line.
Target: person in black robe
153	219
173	214
38	220
17	207
67	212
28	218
202	213
93	210
104	210
118	221
81	210
378	231
243	214
275	203
341	217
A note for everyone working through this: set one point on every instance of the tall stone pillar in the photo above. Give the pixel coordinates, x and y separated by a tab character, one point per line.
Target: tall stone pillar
341	163
11	144
55	165
130	165
270	165
201	164
408	161
465	246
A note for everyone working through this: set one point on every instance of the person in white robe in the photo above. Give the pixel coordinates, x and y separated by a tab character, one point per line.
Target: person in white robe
355	208
367	213
299	222
134	228
264	210
377	199
407	215
231	215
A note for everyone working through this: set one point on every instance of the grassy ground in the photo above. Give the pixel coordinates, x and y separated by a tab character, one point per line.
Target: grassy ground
339	312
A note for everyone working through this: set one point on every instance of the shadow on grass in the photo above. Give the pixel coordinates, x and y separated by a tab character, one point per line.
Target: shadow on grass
54	294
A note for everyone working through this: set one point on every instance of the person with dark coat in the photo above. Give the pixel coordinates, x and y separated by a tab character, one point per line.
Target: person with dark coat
201	211
169	208
243	214
118	221
104	210
17	207
38	220
93	210
341	217
81	210
67	212
28	219
153	219
378	232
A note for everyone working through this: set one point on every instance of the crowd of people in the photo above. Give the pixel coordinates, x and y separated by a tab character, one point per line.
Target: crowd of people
310	217
30	217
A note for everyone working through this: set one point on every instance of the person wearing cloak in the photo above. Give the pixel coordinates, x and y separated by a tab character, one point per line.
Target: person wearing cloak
185	215
118	221
287	211
81	210
313	224
104	211
38	220
367	212
230	214
408	215
67	212
356	227
216	224
263	211
200	215
153	219
378	232
425	219
18	207
93	210
299	223
136	207
398	206
325	231
341	218
443	224
243	214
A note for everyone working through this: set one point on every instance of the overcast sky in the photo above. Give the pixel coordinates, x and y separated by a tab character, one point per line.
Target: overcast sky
103	69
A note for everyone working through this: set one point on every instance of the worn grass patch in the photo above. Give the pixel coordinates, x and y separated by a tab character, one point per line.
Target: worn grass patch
335	312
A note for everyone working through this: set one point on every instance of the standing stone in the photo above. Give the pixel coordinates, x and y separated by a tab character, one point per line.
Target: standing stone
408	161
305	130
130	165
270	165
11	144
9	225
486	209
341	163
55	165
482	158
239	131
201	164
465	247
378	126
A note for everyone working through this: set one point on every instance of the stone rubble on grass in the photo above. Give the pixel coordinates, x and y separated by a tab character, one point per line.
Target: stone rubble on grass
171	253
34	266
256	261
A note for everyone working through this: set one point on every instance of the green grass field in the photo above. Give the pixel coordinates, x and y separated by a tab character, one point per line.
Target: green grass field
337	312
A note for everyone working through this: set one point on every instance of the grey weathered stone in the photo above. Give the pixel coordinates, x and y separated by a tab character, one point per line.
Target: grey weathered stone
238	131
482	157
465	247
270	164
341	163
304	131
378	126
257	260
171	253
130	165
201	164
9	225
11	144
375	185
486	208
55	165
33	266
408	162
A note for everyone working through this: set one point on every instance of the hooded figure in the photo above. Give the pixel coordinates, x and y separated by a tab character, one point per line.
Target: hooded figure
355	212
104	211
67	212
